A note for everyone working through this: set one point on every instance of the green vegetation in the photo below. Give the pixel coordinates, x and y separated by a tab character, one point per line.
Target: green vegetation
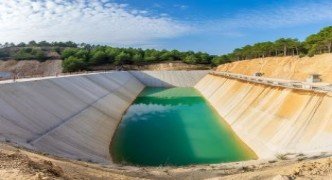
101	55
73	64
34	51
315	44
30	54
84	56
282	156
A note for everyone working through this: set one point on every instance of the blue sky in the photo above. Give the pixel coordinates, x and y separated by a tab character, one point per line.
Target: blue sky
214	26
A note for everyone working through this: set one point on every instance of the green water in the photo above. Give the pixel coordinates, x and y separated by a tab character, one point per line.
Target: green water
175	126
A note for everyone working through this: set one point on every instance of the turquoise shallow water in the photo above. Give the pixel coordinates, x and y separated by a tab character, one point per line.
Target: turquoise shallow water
175	126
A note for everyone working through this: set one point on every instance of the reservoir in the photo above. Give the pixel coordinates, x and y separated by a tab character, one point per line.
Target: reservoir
175	127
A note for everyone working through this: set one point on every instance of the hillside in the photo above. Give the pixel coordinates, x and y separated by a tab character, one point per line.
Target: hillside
53	67
31	67
290	67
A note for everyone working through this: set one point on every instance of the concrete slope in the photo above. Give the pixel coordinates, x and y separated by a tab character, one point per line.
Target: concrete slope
72	116
169	78
272	120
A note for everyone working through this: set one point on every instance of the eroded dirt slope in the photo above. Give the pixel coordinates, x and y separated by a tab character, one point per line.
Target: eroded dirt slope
290	67
32	68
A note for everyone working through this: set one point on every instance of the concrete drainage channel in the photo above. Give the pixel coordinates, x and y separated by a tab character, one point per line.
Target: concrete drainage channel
76	116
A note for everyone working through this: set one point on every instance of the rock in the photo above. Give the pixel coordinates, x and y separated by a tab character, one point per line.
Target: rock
281	177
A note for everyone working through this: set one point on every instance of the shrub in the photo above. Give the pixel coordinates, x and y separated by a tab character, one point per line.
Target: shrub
23	54
302	55
99	57
191	59
282	156
122	58
39	55
68	52
73	64
30	54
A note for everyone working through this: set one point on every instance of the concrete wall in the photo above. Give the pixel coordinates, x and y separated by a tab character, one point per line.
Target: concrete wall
69	116
76	116
272	120
169	78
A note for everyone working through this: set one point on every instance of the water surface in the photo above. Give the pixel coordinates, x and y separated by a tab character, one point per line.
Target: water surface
175	126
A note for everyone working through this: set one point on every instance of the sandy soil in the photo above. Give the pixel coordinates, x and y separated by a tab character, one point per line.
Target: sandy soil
18	163
31	68
53	67
290	67
164	66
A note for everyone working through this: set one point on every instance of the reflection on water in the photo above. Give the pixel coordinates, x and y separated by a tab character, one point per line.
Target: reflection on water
175	127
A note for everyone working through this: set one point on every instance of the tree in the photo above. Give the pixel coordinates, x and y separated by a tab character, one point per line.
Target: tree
44	44
22	44
294	44
39	55
73	64
99	57
83	54
6	44
24	54
151	55
68	52
112	53
137	58
3	54
282	45
191	59
122	58
326	38
32	43
70	44
203	58
217	60
166	56
177	55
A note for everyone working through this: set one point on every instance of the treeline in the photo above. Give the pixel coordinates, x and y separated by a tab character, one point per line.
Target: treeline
40	44
85	56
34	50
314	44
26	53
76	59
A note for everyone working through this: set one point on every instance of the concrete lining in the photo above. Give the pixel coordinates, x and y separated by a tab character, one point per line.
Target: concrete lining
71	117
76	116
272	120
169	78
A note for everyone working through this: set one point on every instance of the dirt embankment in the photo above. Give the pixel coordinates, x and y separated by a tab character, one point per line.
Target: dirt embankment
291	67
53	67
31	68
18	163
164	66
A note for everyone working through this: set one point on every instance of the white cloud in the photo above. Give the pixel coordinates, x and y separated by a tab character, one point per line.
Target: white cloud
181	6
94	21
273	17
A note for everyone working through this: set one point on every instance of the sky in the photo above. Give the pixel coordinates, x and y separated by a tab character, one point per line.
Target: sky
213	26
